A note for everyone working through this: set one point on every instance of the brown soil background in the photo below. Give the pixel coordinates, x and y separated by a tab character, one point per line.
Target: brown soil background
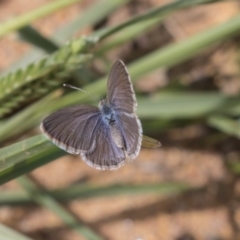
211	211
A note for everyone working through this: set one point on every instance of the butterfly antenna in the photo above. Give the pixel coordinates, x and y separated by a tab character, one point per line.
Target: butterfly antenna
79	89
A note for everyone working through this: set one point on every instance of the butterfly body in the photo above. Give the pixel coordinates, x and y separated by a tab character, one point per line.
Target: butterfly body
105	137
107	112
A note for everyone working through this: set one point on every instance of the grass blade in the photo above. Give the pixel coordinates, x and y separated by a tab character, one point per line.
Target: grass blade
22	157
90	16
80	191
26	117
47	201
31	35
225	124
28	18
158	13
8	234
176	105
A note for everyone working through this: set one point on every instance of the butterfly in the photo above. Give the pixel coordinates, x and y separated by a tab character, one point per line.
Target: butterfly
105	136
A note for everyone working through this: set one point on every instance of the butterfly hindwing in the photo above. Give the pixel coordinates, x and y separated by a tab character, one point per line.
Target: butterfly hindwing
131	131
106	154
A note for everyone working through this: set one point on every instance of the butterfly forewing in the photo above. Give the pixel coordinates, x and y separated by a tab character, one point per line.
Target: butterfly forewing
121	98
120	93
68	128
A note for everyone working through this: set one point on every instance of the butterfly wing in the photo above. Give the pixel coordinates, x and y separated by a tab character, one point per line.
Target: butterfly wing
81	130
122	99
73	128
120	94
106	155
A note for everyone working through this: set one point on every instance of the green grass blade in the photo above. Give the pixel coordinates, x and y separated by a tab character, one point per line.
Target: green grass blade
28	18
95	13
85	191
8	234
158	13
44	199
225	124
176	105
185	105
234	167
31	35
186	49
23	150
22	157
128	33
27	117
90	16
139	24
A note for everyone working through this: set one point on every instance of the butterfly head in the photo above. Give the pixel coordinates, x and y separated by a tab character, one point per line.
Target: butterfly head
105	107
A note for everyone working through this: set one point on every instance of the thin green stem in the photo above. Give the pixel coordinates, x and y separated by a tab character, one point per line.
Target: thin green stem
85	191
44	199
25	19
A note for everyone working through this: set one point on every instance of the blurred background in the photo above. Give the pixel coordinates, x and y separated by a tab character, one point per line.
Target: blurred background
183	57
